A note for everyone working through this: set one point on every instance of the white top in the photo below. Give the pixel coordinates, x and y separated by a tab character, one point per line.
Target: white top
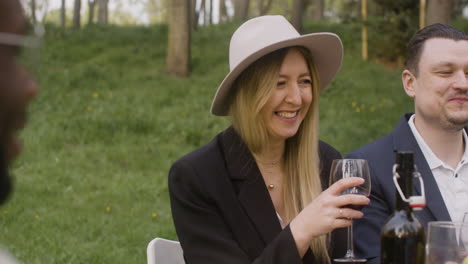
452	182
280	220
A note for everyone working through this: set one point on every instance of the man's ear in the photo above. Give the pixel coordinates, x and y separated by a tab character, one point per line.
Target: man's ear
408	79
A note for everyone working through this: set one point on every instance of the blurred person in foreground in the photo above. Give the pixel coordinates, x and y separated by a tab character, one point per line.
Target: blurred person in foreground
16	90
258	192
436	77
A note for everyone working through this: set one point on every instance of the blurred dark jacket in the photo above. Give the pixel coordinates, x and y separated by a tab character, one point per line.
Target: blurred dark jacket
223	212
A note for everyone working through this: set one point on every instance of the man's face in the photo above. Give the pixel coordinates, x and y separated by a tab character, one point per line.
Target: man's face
16	88
440	90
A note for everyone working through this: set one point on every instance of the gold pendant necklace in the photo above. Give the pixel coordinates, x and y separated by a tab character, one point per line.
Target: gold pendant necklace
267	167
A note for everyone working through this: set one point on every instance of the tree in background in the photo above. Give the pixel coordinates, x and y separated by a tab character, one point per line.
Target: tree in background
201	10
77	14
241	9
36	10
458	6
103	11
178	51
223	15
263	6
438	11
209	12
63	16
391	25
194	13
317	9
33	11
297	14
91	8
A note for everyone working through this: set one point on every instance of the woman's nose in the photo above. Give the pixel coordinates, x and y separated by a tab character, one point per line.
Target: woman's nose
294	95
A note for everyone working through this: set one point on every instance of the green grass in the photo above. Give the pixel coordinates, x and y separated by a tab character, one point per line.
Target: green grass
91	185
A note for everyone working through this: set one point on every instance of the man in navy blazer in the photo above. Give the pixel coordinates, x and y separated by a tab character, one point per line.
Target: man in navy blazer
436	77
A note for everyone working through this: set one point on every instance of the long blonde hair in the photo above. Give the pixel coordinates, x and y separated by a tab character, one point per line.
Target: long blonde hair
302	181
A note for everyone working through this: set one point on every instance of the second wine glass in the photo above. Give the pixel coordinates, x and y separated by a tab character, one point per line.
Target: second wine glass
346	168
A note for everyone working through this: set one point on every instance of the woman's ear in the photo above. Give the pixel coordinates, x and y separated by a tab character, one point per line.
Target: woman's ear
409	81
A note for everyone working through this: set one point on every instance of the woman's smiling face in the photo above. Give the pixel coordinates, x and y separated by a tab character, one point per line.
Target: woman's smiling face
291	98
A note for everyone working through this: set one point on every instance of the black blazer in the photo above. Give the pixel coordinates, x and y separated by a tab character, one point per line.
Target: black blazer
222	210
381	157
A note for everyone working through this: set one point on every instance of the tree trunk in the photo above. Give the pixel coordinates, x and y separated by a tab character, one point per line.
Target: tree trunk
77	14
241	9
62	14
297	13
422	13
210	20
264	6
193	14
364	30
223	16
206	13
106	13
318	7
178	53
33	11
102	11
438	11
457	9
286	8
201	11
91	7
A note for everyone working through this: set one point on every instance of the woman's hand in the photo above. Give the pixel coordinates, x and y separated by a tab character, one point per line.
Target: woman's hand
326	213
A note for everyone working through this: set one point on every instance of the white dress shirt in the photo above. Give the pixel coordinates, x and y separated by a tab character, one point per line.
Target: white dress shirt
452	182
283	225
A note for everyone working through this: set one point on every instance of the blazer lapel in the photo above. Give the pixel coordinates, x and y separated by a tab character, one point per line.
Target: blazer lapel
252	192
405	140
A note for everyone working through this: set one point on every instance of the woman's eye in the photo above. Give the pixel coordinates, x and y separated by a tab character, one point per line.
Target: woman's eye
305	81
281	83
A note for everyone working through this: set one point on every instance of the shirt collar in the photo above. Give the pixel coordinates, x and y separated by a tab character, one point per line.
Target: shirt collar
431	158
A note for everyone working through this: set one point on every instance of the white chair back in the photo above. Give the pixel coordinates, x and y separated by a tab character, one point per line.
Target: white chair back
163	251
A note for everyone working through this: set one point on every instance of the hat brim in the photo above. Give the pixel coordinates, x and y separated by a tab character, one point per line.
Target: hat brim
326	49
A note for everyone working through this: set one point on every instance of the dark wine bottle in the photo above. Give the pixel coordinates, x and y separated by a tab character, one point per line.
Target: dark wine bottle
402	237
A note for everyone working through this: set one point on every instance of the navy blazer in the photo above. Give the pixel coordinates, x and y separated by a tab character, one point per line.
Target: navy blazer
381	157
222	210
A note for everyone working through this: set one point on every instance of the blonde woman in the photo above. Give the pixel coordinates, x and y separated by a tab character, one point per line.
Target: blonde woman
254	193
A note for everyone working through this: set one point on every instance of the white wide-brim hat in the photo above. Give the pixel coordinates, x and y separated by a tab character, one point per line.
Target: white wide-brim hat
265	34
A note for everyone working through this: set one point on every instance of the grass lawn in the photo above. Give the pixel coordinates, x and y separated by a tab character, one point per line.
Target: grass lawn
91	184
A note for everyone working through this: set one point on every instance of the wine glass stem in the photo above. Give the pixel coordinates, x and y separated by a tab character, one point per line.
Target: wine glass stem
350	251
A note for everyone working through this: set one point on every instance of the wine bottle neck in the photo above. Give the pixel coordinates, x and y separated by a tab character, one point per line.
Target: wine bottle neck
406	184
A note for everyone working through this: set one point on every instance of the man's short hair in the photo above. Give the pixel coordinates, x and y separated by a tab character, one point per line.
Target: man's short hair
416	43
